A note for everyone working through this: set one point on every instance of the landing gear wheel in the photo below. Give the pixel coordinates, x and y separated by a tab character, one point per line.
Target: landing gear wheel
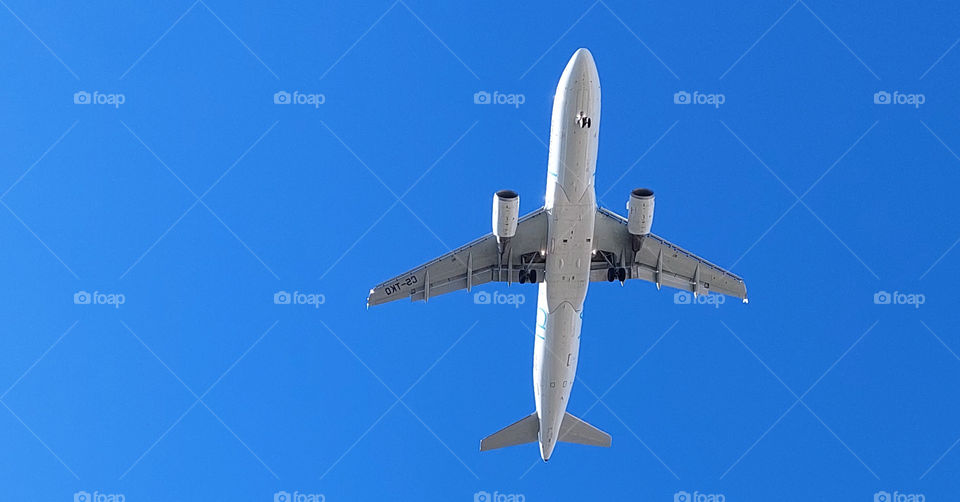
532	276
523	276
611	274
621	274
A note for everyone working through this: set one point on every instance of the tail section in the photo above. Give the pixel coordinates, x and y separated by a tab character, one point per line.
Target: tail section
526	430
574	430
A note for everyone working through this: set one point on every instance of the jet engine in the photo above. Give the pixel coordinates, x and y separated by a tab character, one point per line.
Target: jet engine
506	212
640	211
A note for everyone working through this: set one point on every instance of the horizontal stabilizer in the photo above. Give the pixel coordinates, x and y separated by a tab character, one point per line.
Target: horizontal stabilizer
524	431
574	430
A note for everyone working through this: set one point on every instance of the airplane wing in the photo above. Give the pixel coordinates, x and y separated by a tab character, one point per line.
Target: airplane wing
475	263
656	260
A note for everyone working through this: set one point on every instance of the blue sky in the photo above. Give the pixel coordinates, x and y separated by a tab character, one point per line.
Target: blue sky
197	198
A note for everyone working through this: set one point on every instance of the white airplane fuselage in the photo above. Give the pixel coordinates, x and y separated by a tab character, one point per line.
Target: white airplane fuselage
571	205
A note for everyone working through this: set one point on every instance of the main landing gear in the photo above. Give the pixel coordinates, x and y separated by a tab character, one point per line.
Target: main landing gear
526	276
616	274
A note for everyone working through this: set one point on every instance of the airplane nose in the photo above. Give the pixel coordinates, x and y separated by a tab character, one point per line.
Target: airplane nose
582	60
581	68
582	54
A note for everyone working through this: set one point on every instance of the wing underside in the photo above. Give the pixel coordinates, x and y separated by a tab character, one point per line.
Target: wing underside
649	257
654	259
475	263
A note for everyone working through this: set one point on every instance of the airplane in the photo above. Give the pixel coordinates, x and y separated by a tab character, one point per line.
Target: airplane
563	247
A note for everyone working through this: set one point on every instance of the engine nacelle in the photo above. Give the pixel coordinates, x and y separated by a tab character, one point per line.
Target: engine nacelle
640	211
506	212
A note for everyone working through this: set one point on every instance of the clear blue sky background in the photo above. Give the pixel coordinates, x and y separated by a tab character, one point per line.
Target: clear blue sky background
199	387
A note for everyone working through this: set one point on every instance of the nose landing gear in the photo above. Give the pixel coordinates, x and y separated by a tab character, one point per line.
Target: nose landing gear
583	120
